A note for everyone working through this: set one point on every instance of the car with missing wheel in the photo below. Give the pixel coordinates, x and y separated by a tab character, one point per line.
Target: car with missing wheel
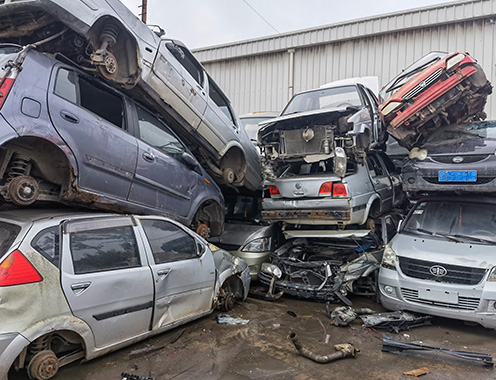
77	285
439	88
456	158
441	261
105	38
67	137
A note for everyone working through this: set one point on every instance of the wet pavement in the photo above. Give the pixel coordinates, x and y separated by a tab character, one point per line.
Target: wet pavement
261	349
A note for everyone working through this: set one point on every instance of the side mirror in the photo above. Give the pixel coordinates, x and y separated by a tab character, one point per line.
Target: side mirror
189	160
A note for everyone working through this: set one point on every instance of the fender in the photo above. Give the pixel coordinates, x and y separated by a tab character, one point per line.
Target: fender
369	206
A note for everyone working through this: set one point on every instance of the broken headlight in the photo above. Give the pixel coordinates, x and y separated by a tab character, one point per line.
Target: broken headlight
420	154
455	60
271	269
340	162
389	257
258	245
390	108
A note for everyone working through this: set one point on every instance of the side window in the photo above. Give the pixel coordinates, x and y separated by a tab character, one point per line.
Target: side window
187	60
373	97
169	243
157	134
366	99
47	242
388	163
220	101
104	249
86	94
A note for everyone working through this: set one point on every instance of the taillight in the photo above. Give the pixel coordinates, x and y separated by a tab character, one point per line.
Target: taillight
17	270
339	190
5	89
326	188
274	190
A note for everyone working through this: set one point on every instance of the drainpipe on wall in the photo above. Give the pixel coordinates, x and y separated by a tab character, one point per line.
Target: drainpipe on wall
291	73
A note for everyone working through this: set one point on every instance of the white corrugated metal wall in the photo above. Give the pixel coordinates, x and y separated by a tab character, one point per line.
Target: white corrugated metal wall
255	74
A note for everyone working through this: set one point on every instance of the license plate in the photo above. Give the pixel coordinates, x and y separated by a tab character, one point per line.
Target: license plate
457	176
438	295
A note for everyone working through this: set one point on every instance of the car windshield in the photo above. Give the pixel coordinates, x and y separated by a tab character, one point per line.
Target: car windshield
455	221
406	74
335	97
449	134
8	233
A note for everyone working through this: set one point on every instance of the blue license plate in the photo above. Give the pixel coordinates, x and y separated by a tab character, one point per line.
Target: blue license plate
457	176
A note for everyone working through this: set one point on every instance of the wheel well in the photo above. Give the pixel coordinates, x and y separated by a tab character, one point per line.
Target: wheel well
210	213
125	51
235	159
233	285
375	208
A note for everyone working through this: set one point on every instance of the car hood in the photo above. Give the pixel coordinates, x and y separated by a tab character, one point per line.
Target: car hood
240	233
422	247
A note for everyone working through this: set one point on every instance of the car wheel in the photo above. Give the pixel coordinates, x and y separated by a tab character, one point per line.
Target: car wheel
228	175
23	190
43	366
228	302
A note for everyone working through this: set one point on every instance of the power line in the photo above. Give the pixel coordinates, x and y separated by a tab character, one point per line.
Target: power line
259	15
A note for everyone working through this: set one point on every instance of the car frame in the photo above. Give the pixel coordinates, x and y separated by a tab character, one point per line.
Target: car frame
104	37
437	89
91	283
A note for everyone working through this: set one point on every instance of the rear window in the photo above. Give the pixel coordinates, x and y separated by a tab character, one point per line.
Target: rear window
8	233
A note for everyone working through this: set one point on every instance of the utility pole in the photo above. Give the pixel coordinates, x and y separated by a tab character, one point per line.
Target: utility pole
143	10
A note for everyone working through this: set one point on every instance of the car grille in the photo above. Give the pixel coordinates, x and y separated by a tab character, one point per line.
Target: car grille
479	181
466	159
455	274
422	86
228	247
464	303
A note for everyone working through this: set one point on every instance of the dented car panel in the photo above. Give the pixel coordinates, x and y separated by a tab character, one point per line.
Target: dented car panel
438	89
93	283
80	141
456	158
106	38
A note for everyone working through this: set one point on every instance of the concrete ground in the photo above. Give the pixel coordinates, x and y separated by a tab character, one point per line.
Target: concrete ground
261	349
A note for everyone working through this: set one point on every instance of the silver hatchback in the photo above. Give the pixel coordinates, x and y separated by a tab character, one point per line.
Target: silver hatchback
75	286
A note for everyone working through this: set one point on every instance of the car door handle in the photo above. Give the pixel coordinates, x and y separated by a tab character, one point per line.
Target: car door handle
149	156
163	272
80	287
69	117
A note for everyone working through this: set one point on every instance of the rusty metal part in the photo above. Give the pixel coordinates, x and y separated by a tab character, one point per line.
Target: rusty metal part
110	68
43	366
23	190
285	215
203	231
345	350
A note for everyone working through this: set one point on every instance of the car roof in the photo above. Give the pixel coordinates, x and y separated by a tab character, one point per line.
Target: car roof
35	214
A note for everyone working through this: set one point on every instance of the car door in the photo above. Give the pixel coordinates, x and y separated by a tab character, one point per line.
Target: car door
380	181
394	176
183	81
91	119
371	100
183	271
162	179
106	278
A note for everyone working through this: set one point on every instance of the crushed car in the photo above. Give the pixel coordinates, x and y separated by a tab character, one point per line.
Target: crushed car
66	137
439	88
77	285
104	38
328	265
456	158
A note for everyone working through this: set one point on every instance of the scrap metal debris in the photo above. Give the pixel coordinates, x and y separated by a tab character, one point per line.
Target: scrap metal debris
389	344
224	319
396	321
128	376
344	315
417	372
345	350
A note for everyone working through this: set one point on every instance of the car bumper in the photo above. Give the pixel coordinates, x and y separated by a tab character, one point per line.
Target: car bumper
254	261
11	345
474	303
427	181
246	280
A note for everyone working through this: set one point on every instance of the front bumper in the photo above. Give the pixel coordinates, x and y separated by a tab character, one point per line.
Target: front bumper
474	303
254	261
11	345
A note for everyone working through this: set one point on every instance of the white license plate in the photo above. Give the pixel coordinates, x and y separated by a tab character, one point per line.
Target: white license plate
430	294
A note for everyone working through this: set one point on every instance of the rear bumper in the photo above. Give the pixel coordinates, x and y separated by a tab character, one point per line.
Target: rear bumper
11	345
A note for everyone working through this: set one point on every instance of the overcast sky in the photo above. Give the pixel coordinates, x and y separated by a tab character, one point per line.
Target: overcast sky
201	23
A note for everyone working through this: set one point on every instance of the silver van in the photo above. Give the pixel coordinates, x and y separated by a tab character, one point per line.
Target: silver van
442	260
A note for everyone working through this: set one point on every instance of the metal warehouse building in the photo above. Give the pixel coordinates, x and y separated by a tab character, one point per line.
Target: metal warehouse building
261	74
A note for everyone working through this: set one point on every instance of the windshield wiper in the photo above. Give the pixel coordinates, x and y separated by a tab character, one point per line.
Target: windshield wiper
438	234
473	238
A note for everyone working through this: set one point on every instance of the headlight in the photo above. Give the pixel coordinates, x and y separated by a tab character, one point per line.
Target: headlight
453	61
390	107
389	257
258	245
492	275
420	154
213	247
271	269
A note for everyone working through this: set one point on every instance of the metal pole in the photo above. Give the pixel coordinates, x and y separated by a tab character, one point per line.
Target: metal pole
291	73
143	10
